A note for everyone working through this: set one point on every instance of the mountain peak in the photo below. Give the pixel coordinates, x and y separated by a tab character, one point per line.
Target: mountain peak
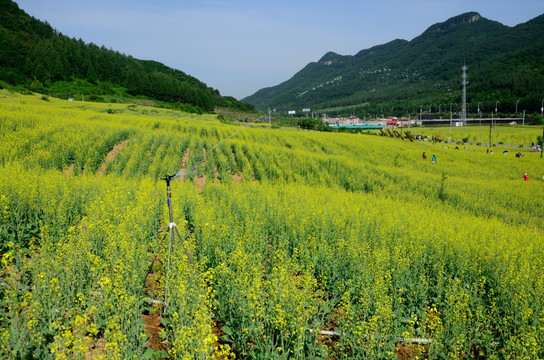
329	58
465	18
400	73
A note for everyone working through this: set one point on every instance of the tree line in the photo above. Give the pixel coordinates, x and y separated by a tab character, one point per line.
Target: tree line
35	56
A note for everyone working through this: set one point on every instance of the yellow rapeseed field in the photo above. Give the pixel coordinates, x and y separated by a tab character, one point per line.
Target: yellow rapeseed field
292	244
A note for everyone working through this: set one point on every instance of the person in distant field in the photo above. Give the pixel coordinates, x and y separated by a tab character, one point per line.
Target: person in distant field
505	152
518	155
433	159
525	177
424	155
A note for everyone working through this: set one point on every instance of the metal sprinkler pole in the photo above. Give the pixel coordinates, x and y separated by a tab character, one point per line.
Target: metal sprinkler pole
171	226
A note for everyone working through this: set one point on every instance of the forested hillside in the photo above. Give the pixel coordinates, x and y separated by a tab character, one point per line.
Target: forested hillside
36	57
403	77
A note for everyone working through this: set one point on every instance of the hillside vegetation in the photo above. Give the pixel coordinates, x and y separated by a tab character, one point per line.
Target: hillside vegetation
293	244
403	77
38	58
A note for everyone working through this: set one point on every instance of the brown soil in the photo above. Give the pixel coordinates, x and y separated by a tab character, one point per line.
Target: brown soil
152	284
69	170
218	333
331	341
111	156
96	350
153	328
183	166
200	182
411	351
153	319
238	178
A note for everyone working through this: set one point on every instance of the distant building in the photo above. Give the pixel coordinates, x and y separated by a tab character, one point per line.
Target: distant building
351	120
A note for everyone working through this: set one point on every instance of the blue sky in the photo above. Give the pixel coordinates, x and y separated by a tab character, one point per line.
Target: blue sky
241	46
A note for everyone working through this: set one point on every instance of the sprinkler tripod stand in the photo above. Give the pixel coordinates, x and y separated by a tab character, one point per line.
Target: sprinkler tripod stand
173	228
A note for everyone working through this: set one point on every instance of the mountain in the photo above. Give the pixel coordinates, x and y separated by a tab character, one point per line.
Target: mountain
36	57
504	64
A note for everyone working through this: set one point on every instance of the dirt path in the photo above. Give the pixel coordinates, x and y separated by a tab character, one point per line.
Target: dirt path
238	177
183	166
152	319
111	156
69	170
200	181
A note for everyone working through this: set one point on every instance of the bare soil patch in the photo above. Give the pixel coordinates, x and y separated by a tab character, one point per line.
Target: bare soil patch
153	328
96	349
200	182
183	166
152	319
111	156
238	178
411	351
69	170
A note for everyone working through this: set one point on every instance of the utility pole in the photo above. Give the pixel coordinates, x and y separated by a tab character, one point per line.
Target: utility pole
464	105
490	127
489	136
523	124
496	113
542	143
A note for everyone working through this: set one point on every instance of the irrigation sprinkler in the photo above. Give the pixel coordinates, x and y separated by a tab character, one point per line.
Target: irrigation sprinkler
173	228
